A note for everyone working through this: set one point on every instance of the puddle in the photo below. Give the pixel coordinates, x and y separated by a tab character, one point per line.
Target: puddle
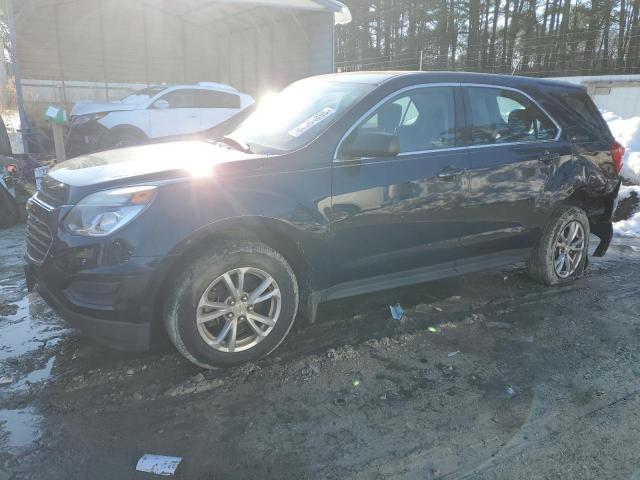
19	428
29	329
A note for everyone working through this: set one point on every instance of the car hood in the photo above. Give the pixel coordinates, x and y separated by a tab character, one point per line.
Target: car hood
85	108
146	162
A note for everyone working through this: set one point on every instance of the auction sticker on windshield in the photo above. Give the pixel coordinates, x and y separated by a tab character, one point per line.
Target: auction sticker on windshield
315	119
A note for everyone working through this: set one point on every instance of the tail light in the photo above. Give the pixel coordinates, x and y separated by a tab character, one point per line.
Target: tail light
617	152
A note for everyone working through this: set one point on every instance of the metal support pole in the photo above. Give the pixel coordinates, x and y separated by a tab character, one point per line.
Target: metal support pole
421	53
15	69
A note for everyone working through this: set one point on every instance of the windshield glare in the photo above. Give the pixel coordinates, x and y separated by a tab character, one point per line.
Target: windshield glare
299	113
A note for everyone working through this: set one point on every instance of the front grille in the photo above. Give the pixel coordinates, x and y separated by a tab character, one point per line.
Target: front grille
38	235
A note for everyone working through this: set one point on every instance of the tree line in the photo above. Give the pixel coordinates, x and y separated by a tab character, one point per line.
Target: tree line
532	37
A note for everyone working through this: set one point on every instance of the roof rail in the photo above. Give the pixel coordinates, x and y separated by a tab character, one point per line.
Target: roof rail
221	86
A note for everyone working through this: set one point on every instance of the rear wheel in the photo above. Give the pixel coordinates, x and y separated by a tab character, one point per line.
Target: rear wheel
232	306
561	254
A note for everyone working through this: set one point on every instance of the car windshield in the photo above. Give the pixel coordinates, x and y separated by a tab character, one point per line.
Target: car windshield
298	114
142	95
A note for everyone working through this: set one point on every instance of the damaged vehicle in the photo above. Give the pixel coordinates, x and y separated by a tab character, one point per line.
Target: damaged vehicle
337	186
151	113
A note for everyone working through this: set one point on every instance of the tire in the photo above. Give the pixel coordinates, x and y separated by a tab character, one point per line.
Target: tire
8	211
124	137
199	276
545	256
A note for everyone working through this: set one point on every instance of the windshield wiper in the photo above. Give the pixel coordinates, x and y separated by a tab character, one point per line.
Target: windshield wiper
235	144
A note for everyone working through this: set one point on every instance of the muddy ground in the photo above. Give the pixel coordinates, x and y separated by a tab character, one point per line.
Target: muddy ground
491	376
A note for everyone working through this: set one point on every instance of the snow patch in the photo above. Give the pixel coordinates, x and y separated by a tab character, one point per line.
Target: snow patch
627	132
627	190
628	228
631	226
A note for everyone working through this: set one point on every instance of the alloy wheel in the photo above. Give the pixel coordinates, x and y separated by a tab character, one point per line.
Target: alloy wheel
238	309
569	249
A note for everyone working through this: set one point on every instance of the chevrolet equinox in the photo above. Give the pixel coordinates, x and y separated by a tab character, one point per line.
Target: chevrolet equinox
338	185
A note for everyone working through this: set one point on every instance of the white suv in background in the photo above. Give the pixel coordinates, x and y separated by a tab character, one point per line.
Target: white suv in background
151	113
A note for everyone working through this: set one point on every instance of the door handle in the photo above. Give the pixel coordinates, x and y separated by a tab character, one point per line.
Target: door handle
449	174
548	157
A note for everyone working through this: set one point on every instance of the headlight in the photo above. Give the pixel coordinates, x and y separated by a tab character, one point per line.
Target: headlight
102	213
82	119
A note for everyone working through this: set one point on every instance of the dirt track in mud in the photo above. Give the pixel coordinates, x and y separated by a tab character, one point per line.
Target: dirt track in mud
492	376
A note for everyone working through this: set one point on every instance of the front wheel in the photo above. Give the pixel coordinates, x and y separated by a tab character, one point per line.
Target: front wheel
232	306
561	254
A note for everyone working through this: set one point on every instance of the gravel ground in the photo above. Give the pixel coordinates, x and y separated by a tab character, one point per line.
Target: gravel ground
490	376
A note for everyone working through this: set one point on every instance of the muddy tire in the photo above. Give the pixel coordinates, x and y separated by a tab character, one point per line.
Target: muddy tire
231	306
561	254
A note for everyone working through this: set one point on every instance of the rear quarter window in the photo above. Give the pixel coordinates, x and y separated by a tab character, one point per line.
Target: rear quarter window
580	116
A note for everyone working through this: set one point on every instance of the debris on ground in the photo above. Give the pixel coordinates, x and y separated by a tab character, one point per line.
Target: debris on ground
310	369
190	387
453	354
158	464
340	401
427	308
475	317
397	312
383	342
6	380
8	309
510	391
432	329
346	352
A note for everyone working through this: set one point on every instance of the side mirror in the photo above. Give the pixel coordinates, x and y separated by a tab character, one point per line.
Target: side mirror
370	144
161	104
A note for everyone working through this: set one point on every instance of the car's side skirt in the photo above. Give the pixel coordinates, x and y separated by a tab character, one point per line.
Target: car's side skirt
420	275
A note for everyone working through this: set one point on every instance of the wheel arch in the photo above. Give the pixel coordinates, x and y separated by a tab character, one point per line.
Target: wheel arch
277	234
599	210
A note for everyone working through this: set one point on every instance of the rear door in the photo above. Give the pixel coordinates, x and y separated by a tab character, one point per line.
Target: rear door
396	214
216	107
514	145
182	116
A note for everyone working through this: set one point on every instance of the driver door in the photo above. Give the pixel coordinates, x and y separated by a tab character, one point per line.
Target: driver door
402	213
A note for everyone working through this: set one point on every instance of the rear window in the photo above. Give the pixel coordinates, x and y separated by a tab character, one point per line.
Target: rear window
580	115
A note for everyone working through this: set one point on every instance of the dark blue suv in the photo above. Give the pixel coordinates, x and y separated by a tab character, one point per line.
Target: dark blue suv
339	185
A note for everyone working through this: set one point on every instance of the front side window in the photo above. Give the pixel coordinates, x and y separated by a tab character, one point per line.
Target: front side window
183	98
504	116
421	119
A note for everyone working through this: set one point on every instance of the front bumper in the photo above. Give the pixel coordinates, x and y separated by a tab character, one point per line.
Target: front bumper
85	138
113	306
